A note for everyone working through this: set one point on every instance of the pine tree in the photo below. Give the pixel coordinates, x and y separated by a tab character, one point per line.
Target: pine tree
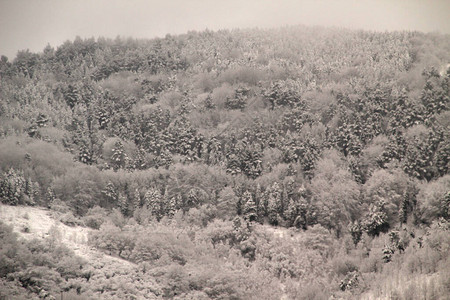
136	200
110	193
153	200
446	206
259	199
42	120
272	210
12	187
194	197
387	254
209	104
51	197
102	119
249	207
251	162
274	204
356	230
276	193
291	212
119	157
233	164
375	221
123	204
140	160
30	192
239	100
85	155
284	201
36	191
172	206
165	202
72	96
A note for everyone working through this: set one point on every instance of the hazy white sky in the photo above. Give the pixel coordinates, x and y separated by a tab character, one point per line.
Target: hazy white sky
31	24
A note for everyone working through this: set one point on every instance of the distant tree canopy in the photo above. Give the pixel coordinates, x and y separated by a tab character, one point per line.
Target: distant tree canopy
173	123
297	163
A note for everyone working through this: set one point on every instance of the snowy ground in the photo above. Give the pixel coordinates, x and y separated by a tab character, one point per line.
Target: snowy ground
37	222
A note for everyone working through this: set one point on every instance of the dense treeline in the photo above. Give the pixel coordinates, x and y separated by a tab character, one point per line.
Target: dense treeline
345	131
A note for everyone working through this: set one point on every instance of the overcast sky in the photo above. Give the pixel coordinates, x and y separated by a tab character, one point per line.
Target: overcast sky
31	24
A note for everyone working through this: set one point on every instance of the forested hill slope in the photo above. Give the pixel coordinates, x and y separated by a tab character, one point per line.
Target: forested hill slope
342	132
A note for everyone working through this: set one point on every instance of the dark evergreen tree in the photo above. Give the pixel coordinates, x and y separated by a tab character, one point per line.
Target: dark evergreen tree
250	209
12	187
123	204
375	221
153	200
119	157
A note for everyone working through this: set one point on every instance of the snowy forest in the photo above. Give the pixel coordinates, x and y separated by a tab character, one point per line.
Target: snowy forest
289	163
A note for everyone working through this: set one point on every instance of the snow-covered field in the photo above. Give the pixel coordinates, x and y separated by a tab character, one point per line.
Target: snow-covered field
37	222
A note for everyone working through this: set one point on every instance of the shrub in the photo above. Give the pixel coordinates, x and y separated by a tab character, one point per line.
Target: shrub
205	82
241	75
170	100
95	217
69	219
220	95
156	243
307	291
81	188
388	190
119	241
351	281
343	265
239	99
434	200
284	93
123	84
59	206
25	229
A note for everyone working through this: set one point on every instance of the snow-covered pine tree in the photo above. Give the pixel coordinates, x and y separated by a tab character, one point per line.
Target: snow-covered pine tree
249	207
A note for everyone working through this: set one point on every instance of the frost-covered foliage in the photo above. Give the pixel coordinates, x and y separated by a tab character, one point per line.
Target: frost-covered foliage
297	127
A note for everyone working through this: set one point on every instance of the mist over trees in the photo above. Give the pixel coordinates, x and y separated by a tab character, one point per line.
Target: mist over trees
189	154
